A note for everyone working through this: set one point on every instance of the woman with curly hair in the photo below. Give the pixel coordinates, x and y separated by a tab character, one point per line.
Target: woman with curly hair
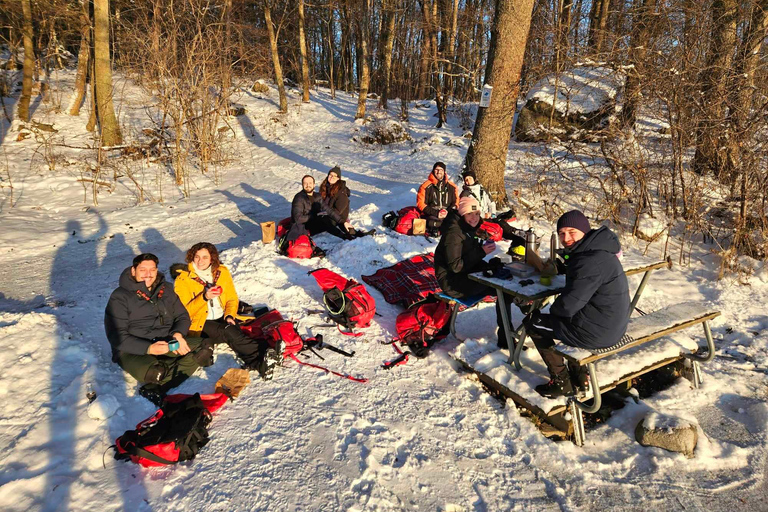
207	291
334	213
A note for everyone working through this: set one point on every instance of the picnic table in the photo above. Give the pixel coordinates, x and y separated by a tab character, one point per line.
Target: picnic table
538	295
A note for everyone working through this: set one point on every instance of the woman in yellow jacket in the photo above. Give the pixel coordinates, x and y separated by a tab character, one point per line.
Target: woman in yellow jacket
207	291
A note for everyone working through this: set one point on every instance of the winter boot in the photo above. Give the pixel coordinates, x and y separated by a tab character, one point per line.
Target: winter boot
273	357
153	392
579	377
559	385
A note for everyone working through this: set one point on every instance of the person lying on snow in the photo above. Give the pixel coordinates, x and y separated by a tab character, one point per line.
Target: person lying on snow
207	291
436	197
460	253
473	188
147	325
593	310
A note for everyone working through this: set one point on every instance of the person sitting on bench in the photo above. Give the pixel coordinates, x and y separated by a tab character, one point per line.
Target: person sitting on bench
144	320
592	311
436	197
460	253
206	289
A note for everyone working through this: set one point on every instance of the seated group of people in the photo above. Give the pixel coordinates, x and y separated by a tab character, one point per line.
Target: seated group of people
160	334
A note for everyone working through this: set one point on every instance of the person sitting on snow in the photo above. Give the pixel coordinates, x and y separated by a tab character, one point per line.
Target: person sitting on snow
147	326
592	311
334	217
473	188
436	197
206	289
461	253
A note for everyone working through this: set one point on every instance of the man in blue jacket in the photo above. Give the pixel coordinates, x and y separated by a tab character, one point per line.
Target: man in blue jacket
593	310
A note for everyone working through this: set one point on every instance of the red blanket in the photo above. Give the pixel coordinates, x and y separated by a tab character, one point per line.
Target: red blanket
407	282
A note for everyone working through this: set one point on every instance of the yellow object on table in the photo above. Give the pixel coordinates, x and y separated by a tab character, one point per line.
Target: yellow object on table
545	280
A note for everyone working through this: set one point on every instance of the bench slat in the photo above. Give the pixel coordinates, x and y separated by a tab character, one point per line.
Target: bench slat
647	328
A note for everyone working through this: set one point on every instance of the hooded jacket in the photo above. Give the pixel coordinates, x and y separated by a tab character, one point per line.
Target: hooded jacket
593	309
435	195
336	206
457	255
192	296
483	198
132	322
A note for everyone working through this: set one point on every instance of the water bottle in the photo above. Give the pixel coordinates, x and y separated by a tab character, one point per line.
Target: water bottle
554	245
530	243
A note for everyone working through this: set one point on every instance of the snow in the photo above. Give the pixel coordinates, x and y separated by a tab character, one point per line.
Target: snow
421	436
579	90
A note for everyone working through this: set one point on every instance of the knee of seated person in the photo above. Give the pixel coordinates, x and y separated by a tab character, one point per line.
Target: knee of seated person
156	373
233	333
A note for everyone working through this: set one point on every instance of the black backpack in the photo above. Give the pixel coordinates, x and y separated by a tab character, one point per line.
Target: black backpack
175	433
389	220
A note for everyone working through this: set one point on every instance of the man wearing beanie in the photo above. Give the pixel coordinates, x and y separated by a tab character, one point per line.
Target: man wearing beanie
593	310
461	253
436	197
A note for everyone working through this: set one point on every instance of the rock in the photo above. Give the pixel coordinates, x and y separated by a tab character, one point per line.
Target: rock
382	130
668	432
260	87
467	134
235	110
584	106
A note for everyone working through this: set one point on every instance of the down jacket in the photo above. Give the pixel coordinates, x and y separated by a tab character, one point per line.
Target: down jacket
434	196
593	309
190	292
336	206
457	255
132	322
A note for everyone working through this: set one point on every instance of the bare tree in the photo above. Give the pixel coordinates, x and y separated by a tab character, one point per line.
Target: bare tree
388	35
365	73
487	154
83	61
303	49
29	62
110	130
275	56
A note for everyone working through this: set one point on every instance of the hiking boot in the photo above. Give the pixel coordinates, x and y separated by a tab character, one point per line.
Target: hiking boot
559	385
153	393
506	215
273	357
579	377
318	253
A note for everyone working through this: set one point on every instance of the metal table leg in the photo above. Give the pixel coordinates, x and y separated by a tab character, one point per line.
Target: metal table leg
640	289
505	322
521	335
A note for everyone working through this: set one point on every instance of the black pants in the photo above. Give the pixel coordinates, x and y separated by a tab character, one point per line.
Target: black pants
325	224
249	350
539	328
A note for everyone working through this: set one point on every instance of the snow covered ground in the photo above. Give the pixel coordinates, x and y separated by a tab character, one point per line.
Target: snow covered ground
422	436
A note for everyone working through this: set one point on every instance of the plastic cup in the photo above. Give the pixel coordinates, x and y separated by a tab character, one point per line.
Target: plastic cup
546	280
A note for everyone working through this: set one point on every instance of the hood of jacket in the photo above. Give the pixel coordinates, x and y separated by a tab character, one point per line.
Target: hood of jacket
128	283
600	239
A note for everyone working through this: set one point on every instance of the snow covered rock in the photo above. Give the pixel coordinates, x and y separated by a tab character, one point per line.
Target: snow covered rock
668	432
382	130
104	407
260	87
584	100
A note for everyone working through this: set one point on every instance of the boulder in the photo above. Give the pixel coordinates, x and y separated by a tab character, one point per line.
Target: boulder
584	106
668	432
383	130
260	87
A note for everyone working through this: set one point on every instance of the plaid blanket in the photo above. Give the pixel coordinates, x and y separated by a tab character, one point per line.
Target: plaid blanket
407	282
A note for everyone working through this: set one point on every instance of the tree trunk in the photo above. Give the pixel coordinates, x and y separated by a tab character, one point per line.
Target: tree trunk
332	51
429	10
29	62
275	57
110	130
303	50
487	154
83	63
389	41
639	44
714	88
424	74
364	58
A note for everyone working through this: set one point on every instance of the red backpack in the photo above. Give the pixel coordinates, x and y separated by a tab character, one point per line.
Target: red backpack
348	302
282	227
420	327
175	433
490	231
272	328
301	248
405	218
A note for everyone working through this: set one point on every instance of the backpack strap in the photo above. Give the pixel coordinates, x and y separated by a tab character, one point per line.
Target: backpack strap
400	360
326	370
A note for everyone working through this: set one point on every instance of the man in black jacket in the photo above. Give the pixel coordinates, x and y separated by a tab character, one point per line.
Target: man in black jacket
143	317
436	197
593	310
461	253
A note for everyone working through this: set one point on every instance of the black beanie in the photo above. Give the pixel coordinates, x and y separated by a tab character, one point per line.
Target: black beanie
337	170
439	164
574	219
470	173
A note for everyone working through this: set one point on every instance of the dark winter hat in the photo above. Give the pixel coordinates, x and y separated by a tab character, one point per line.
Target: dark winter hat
439	164
573	219
336	170
470	173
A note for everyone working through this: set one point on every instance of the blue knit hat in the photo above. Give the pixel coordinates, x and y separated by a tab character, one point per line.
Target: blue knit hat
574	219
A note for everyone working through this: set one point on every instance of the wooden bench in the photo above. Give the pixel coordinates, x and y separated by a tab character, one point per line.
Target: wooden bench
467	302
641	330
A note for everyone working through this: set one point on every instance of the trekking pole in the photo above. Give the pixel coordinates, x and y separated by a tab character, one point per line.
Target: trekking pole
337	350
